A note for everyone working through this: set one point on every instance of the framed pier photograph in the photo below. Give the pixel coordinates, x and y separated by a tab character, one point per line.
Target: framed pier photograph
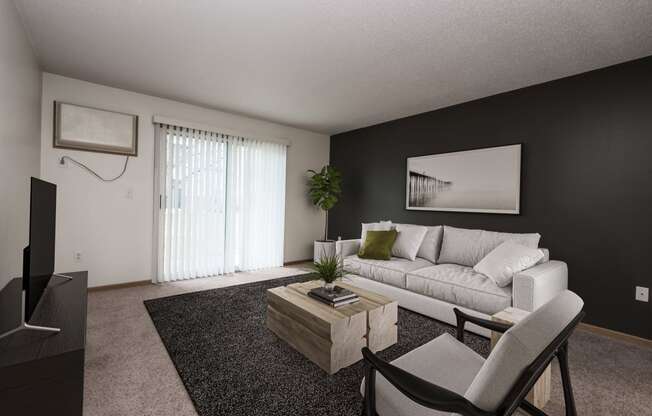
484	180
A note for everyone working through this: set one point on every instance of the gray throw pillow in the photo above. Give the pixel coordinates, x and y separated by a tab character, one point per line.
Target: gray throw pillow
408	241
431	244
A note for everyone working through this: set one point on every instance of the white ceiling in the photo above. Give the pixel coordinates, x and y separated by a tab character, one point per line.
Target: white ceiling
332	65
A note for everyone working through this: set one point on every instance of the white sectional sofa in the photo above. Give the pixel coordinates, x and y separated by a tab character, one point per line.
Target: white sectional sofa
434	288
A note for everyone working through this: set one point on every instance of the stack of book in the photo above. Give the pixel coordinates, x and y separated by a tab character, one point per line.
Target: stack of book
335	298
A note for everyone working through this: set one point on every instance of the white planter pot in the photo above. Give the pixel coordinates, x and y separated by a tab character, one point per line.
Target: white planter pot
323	248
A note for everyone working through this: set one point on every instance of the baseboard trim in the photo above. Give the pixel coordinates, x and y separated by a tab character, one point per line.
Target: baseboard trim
290	263
149	282
120	285
621	336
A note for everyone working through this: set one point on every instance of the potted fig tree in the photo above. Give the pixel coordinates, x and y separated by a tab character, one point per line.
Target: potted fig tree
324	189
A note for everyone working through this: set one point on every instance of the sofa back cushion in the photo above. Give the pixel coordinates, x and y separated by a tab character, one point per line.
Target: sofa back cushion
431	244
519	347
408	240
467	247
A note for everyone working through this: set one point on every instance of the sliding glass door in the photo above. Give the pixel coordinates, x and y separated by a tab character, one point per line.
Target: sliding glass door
255	220
221	203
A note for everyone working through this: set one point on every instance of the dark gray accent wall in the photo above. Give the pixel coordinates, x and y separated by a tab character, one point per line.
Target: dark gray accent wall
586	178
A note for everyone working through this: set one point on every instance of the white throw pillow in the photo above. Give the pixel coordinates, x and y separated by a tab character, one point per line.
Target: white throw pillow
467	247
431	244
408	240
374	226
507	259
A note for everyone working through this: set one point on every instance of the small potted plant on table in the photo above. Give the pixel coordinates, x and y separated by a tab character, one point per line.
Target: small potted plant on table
329	269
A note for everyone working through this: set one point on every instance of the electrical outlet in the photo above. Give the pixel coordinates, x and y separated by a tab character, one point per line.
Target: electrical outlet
130	193
78	256
642	294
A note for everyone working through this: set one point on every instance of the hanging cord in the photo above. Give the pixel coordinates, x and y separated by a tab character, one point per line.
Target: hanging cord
124	169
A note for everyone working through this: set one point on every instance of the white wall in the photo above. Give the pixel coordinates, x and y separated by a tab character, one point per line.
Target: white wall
114	233
20	115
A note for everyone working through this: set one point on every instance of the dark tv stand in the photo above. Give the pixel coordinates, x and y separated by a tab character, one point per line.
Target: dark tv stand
43	372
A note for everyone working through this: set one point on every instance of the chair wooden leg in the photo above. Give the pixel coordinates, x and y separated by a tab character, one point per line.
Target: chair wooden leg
459	331
369	408
562	356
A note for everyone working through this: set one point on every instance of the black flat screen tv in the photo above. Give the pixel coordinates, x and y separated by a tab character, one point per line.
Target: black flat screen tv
38	256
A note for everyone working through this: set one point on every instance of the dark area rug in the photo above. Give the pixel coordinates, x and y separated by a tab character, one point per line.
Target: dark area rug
231	364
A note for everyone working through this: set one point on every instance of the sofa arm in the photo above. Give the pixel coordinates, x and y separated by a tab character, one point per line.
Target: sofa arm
539	284
344	248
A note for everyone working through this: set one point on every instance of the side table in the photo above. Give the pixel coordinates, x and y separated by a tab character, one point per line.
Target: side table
540	393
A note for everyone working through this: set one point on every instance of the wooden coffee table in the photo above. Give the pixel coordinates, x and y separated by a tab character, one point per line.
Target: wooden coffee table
331	337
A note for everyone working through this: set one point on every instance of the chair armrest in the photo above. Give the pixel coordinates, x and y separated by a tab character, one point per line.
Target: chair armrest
416	389
539	284
462	318
344	248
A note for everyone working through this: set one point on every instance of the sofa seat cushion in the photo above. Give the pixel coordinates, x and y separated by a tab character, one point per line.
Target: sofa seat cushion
443	361
460	285
391	272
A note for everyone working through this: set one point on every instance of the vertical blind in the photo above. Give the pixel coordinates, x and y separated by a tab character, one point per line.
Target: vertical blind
222	203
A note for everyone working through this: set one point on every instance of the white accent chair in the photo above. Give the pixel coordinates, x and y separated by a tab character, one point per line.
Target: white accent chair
446	377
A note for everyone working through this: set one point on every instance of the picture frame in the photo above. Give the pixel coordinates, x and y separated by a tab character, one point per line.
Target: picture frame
481	180
91	129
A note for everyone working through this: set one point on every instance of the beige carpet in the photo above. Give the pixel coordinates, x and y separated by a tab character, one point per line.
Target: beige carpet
128	371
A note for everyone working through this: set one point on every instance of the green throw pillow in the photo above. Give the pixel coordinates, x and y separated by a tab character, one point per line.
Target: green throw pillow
378	245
